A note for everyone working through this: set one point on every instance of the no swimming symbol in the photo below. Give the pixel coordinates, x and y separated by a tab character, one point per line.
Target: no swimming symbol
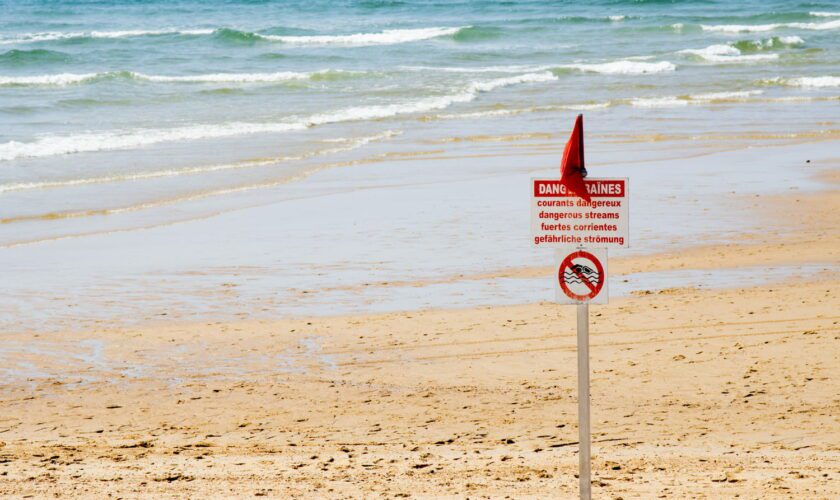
581	276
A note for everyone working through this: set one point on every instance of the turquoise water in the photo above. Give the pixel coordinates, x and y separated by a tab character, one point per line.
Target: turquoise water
117	114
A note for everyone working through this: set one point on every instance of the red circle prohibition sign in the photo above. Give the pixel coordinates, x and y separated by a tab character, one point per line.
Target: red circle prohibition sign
594	288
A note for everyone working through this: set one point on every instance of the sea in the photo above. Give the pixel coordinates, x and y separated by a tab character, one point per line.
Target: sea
120	115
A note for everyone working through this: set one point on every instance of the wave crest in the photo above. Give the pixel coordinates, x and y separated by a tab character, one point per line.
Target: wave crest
128	139
771	43
805	81
760	28
727	54
59	35
386	37
625	67
19	57
63	79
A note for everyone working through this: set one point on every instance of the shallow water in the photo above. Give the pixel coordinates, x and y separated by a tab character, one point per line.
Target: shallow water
119	121
111	110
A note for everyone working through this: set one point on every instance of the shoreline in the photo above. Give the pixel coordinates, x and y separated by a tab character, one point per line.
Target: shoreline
475	401
266	262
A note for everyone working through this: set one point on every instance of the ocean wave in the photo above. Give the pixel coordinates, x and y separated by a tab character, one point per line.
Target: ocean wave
771	43
19	57
231	35
386	37
727	54
658	102
58	35
281	76
128	139
63	79
805	81
630	66
584	106
57	79
469	93
477	33
825	14
759	28
685	100
348	144
483	69
625	67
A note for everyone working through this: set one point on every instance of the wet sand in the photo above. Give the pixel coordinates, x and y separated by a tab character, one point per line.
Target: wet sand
696	393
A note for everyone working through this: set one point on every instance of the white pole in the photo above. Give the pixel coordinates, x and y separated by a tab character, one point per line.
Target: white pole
583	400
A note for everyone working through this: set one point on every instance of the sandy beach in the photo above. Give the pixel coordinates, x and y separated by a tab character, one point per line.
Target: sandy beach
696	393
304	249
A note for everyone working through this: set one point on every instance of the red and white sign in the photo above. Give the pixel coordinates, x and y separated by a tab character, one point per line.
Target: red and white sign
561	219
582	276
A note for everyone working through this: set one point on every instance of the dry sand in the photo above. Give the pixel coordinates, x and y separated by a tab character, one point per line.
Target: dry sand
695	394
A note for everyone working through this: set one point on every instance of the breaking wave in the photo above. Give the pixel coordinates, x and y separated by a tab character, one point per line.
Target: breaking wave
685	100
127	139
805	81
727	54
58	35
759	28
386	37
775	42
624	67
63	79
348	144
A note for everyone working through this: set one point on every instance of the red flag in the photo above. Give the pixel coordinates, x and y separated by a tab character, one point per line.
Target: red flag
572	170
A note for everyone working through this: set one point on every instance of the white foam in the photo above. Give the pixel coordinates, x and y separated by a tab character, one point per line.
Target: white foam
127	139
59	79
727	54
724	96
791	40
681	101
713	50
483	69
426	104
807	81
825	14
830	25
59	35
617	18
658	102
587	107
759	28
481	114
280	76
776	41
741	28
70	78
477	87
386	37
350	143
625	67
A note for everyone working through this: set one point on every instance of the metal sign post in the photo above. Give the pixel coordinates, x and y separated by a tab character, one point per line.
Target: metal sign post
581	217
581	280
584	434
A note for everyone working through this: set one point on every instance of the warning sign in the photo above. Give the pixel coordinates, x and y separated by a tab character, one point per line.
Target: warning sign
561	219
582	276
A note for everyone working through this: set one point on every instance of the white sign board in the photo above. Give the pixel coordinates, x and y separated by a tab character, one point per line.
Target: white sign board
581	276
560	218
